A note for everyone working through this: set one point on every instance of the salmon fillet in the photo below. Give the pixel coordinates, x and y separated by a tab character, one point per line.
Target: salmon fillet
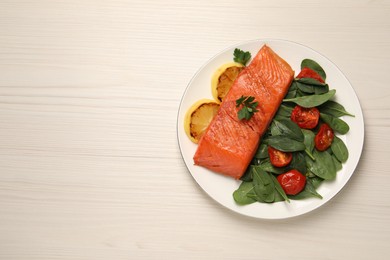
228	144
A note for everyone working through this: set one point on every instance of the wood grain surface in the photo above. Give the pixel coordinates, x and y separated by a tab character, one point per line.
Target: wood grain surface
90	166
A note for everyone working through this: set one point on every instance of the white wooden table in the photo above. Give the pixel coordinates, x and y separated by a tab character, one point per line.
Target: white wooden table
90	166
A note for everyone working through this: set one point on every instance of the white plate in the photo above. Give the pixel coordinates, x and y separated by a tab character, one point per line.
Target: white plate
221	188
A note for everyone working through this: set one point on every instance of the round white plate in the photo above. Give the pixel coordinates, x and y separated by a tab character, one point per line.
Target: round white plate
221	188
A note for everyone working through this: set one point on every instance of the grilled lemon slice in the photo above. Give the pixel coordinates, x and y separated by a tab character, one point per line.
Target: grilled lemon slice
223	79
198	118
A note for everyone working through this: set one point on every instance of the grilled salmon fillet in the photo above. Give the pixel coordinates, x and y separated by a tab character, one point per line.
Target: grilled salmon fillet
229	144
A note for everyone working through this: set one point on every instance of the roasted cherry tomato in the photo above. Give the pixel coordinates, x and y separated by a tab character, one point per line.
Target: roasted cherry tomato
279	158
309	73
292	182
324	138
305	117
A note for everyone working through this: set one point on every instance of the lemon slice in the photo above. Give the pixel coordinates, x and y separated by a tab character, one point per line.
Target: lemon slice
198	118
223	79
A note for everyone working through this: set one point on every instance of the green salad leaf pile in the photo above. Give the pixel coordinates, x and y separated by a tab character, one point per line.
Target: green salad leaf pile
259	183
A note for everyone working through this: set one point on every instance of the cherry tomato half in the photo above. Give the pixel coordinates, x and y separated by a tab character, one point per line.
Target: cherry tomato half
292	182
306	118
279	158
309	73
324	137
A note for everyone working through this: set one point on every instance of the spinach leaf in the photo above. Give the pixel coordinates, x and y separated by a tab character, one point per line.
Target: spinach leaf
316	181
266	165
241	194
285	144
312	189
289	129
339	149
306	88
309	174
298	162
292	91
314	66
279	189
335	123
284	111
310	81
300	93
279	117
336	163
321	90
278	197
334	109
247	176
312	86
255	161
323	166
274	129
309	142
308	192
263	185
308	139
262	151
312	100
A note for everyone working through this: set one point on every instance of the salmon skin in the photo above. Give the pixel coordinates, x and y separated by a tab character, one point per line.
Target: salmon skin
229	144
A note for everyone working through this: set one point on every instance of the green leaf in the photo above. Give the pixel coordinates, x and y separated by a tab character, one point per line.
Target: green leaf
321	90
314	66
241	194
289	129
284	111
334	109
262	151
292	91
278	197
308	192
248	107
310	81
306	88
247	176
312	100
240	100
323	166
244	114
298	162
263	185
266	165
339	149
316	181
300	93
309	142
279	188
336	163
335	123
308	139
241	56
285	144
274	128
312	86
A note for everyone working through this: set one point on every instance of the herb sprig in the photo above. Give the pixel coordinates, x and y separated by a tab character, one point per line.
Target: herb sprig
248	107
241	56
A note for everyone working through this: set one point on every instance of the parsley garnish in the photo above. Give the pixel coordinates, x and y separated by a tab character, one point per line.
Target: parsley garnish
241	57
248	105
